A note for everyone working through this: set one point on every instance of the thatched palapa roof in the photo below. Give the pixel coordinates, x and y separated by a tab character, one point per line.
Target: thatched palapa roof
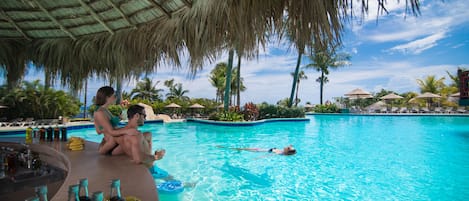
73	39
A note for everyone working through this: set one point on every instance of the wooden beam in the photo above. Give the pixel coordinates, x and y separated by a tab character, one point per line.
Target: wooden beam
96	17
160	7
54	20
14	24
188	4
122	14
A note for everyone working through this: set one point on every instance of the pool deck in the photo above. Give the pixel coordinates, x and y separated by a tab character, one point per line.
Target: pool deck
136	180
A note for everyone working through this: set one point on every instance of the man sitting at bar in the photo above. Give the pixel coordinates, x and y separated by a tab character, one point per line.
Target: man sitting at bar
133	145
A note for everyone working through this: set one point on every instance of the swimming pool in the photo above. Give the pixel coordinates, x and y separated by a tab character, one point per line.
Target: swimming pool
339	157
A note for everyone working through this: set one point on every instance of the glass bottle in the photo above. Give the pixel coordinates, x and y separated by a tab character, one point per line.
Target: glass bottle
64	134
56	133
116	189
98	196
41	192
29	135
36	135
73	192
84	187
42	134
50	133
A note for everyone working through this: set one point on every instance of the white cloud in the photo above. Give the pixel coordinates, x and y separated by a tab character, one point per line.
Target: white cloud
417	46
436	17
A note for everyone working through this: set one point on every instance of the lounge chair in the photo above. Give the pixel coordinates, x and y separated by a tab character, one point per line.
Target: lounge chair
415	110
437	110
424	110
383	110
27	122
449	110
15	122
461	110
394	109
3	122
403	110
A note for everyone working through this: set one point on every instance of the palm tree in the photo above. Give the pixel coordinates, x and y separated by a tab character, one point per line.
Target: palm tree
301	76
177	92
229	68
126	95
146	90
217	79
455	78
237	85
324	58
431	84
169	83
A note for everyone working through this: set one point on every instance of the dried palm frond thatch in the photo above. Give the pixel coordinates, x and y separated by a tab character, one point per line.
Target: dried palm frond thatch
72	40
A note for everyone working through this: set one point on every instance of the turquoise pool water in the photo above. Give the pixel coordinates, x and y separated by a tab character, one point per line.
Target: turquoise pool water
339	158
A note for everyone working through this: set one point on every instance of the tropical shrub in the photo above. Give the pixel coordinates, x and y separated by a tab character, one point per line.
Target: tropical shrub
331	108
32	99
250	112
226	116
267	111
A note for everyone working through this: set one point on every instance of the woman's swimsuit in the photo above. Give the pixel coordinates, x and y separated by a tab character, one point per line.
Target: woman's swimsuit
114	121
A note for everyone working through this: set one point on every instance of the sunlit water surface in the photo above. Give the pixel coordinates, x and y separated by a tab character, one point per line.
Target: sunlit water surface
339	158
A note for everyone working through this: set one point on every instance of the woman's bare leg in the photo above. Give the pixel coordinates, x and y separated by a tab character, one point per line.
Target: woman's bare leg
106	145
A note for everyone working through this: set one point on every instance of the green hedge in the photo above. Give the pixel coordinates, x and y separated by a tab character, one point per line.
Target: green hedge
267	111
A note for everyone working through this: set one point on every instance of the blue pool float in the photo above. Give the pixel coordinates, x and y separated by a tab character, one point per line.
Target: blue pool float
158	173
171	187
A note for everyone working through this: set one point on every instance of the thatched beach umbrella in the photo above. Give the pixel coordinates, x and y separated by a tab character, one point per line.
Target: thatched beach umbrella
376	106
197	106
76	39
428	96
390	97
358	93
173	105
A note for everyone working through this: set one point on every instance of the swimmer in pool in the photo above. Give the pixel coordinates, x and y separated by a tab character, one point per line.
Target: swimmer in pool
289	150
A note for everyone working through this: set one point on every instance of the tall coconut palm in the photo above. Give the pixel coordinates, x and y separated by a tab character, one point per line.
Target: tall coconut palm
146	90
217	79
455	78
238	81
178	92
323	58
237	85
226	98
431	84
301	76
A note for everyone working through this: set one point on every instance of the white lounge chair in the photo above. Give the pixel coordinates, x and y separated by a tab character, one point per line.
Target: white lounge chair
449	110
383	110
15	122
461	110
403	110
424	110
437	110
394	109
27	122
415	110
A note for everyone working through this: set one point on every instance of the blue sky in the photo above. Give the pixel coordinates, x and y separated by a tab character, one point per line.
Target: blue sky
389	54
